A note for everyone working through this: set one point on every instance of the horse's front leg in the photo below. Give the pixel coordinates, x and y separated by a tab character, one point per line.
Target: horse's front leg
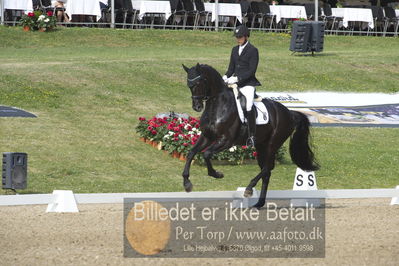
216	147
201	144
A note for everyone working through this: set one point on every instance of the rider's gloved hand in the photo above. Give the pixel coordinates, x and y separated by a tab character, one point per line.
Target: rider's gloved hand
225	78
232	80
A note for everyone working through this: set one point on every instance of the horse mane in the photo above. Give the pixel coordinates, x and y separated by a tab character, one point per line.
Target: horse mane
214	76
210	69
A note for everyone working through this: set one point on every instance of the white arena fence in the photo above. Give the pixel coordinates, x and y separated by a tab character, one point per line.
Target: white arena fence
104	198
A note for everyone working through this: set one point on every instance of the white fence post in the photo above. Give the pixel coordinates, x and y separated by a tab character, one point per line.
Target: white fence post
216	15
112	13
2	11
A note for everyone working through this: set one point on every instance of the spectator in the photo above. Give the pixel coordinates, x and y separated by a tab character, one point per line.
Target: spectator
61	15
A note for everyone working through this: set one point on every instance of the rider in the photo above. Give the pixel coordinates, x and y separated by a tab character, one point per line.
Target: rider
242	68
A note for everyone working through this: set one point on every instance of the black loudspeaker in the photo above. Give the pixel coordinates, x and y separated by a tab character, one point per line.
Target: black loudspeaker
317	36
300	36
307	36
15	170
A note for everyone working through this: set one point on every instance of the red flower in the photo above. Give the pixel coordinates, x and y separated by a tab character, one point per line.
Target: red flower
194	140
49	13
255	154
185	144
31	14
141	118
153	132
150	128
244	147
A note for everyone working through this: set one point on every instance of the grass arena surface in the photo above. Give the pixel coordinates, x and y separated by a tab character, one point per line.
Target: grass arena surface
89	86
94	237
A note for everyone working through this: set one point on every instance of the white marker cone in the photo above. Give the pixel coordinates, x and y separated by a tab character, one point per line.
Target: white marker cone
395	200
64	201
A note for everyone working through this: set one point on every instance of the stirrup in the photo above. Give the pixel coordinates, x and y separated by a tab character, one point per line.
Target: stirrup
251	141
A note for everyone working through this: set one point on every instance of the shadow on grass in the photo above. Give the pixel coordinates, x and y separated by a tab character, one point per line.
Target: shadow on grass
314	55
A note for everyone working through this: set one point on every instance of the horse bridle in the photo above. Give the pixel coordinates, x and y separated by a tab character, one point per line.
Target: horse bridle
204	97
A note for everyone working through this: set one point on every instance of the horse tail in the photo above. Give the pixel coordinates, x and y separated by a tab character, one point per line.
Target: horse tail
300	150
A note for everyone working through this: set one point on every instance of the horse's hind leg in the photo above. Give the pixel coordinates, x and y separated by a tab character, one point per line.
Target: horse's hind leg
266	160
265	175
261	158
265	184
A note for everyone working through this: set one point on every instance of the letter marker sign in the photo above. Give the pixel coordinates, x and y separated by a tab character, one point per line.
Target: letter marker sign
305	181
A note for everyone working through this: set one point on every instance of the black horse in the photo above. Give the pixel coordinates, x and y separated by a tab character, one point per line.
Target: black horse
222	128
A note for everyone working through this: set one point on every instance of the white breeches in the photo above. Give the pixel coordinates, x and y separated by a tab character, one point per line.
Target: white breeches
249	93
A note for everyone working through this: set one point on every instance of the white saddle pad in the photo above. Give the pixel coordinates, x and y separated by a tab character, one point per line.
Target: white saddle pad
263	115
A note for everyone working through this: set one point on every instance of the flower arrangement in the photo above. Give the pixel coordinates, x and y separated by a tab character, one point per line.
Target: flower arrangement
178	135
38	20
28	20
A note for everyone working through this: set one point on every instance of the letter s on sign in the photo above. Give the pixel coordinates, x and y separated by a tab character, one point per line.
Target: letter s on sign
299	180
311	180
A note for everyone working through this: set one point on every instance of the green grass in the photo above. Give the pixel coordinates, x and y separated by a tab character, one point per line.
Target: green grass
89	86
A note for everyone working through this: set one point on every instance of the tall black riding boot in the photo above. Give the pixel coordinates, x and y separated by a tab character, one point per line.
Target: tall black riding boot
251	123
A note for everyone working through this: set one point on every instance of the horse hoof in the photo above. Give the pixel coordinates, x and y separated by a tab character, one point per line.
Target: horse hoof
248	193
259	205
188	187
217	174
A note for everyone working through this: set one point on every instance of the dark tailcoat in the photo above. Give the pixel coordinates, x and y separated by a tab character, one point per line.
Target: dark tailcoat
244	66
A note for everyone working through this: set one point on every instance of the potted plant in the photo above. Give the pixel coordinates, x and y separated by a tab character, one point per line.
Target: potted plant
46	21
28	21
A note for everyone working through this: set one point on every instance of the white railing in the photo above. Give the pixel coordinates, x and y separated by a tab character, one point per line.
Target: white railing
101	198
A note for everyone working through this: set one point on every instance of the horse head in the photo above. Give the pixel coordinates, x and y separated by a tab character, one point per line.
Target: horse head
197	83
